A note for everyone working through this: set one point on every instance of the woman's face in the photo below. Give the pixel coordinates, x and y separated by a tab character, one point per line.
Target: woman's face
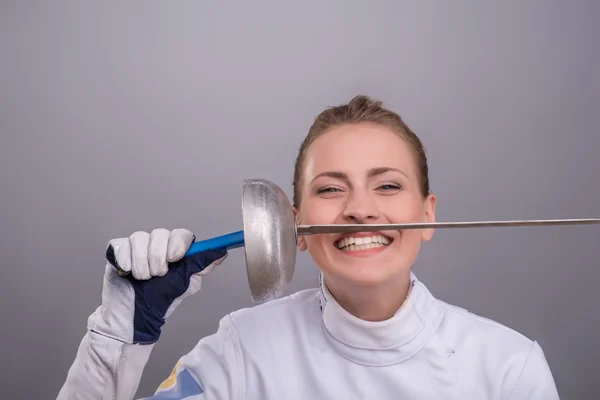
365	174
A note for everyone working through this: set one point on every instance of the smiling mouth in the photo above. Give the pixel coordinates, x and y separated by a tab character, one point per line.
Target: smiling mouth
362	243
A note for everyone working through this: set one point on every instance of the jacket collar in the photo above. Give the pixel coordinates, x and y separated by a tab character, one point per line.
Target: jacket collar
387	342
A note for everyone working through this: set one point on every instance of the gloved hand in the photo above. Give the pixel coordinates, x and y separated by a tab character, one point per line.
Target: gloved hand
145	279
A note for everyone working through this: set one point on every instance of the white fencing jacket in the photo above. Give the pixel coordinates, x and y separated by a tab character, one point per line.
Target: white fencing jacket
306	346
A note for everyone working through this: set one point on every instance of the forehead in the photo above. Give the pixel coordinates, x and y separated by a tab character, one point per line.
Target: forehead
354	149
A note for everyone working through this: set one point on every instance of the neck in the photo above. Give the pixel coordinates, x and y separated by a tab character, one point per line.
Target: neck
370	303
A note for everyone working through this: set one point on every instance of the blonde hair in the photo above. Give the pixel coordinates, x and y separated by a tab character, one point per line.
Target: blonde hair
361	109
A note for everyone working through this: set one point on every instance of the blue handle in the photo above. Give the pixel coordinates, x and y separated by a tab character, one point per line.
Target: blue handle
228	242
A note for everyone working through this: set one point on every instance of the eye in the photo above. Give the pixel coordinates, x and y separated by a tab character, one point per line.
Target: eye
390	186
327	189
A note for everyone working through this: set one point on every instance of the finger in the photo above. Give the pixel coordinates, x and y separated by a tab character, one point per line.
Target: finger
139	255
179	243
120	254
157	251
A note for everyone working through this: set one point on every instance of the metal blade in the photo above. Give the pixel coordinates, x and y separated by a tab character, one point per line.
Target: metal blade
303	230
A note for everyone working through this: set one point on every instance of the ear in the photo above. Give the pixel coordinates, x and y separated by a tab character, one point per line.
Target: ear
301	240
429	216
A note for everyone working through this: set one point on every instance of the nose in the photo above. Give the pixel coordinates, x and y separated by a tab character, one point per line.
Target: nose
360	208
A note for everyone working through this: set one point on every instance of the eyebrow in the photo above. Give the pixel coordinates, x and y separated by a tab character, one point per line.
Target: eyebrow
344	177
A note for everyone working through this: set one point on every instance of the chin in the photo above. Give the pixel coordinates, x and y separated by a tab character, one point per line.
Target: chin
366	277
367	272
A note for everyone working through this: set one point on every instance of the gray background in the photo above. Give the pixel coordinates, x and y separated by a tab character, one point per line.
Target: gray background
135	115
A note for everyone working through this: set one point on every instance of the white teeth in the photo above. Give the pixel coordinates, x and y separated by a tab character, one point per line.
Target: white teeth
362	243
358	247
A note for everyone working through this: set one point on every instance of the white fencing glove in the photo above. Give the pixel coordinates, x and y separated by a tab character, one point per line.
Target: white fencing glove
146	278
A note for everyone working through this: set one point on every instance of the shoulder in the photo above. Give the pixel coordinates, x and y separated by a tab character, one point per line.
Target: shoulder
489	344
500	355
462	323
279	318
277	330
289	311
246	336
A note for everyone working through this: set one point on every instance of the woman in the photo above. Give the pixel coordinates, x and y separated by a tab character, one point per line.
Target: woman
371	330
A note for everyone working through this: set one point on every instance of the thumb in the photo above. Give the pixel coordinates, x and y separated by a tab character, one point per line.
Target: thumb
202	263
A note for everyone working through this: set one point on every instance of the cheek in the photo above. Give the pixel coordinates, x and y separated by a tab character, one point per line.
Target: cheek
313	243
315	212
408	209
402	209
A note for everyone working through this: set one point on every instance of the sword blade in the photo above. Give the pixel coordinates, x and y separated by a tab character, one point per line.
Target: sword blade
304	230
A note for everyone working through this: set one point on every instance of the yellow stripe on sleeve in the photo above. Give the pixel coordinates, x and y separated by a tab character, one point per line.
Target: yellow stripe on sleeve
170	381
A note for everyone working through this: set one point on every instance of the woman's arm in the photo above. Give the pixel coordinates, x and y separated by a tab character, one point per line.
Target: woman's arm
124	328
